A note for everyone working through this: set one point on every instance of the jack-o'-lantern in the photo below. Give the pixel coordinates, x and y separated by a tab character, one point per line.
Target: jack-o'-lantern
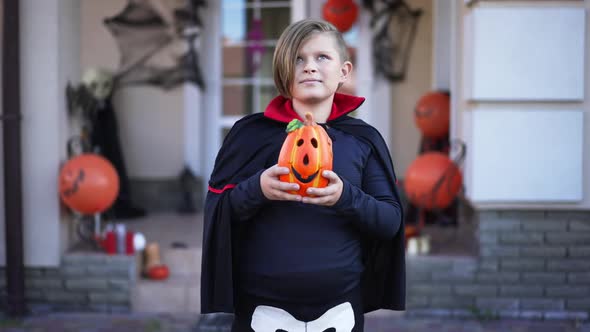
341	13
307	152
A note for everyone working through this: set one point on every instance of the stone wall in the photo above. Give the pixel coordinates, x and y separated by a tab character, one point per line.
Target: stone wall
530	265
83	282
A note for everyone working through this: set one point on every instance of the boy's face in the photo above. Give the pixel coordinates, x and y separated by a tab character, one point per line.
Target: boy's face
318	69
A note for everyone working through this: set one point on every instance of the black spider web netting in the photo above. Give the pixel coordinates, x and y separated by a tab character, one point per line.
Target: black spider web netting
154	52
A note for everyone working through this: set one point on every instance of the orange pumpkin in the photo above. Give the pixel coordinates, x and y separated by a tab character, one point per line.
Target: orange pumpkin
432	181
88	183
307	152
432	115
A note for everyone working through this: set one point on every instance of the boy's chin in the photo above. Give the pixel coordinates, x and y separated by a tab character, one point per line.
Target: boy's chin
313	99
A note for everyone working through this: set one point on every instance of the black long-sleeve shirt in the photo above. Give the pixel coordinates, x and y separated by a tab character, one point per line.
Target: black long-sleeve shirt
297	252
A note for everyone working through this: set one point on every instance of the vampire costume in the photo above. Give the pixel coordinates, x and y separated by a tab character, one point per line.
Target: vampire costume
258	256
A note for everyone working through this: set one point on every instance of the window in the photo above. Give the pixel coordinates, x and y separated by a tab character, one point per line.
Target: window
250	30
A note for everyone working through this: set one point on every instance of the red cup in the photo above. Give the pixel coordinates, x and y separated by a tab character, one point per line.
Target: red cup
129	246
109	243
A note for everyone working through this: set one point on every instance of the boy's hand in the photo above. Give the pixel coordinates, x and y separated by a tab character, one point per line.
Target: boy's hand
277	190
328	195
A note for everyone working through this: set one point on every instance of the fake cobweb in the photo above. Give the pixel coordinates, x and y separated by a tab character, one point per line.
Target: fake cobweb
154	50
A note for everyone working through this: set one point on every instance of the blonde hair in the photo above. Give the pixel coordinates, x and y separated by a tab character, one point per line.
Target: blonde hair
285	55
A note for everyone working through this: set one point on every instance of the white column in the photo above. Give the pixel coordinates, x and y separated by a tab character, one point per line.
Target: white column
211	101
49	59
192	128
377	108
441	31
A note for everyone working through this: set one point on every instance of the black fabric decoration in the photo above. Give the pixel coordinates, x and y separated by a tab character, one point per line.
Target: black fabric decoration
143	35
394	26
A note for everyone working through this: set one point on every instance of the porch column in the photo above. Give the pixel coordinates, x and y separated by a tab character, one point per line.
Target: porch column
49	58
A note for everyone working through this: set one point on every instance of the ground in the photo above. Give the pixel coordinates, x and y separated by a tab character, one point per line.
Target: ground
74	322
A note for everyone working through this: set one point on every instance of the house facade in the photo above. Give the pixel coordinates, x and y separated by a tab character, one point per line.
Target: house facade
517	74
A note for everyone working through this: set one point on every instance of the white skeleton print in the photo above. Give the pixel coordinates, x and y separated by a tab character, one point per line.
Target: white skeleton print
270	319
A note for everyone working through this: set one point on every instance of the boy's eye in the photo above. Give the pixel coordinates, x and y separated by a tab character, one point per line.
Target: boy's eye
322	57
298	60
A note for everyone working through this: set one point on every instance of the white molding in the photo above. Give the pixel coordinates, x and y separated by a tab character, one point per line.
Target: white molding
299	10
377	107
442	28
211	102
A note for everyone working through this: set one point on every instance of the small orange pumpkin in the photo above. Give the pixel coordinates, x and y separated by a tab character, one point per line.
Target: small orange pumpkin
307	152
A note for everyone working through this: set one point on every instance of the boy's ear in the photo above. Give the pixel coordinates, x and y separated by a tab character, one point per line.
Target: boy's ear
346	69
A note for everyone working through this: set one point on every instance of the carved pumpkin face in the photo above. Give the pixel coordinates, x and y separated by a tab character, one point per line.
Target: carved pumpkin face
307	152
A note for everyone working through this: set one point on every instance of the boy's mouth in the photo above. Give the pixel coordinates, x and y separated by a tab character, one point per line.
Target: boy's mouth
311	81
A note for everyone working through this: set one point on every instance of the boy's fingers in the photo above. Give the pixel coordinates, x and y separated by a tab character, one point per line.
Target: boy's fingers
326	191
286	196
275	171
317	200
286	186
330	175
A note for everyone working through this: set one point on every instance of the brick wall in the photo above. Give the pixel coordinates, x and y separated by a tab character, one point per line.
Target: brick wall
529	265
83	282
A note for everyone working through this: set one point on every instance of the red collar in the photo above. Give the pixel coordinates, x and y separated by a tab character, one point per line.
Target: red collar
281	108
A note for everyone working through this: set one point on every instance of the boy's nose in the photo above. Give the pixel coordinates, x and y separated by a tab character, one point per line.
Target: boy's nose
309	69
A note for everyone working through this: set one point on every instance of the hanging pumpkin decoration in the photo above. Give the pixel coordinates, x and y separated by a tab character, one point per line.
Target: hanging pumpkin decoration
307	152
432	181
432	115
88	184
341	13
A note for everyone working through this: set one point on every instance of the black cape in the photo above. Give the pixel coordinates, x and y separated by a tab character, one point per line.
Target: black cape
383	282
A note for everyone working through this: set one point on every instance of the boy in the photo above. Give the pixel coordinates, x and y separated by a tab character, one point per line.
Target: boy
282	262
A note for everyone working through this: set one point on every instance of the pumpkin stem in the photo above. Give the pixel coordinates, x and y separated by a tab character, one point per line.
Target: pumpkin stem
308	119
294	125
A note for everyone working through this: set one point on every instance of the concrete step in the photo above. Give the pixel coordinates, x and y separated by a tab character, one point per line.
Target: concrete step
176	294
181	292
182	262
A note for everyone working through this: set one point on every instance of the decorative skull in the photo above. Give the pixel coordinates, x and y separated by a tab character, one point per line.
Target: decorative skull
99	82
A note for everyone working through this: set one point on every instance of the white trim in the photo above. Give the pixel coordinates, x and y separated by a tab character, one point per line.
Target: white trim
211	103
377	107
248	80
299	10
442	35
